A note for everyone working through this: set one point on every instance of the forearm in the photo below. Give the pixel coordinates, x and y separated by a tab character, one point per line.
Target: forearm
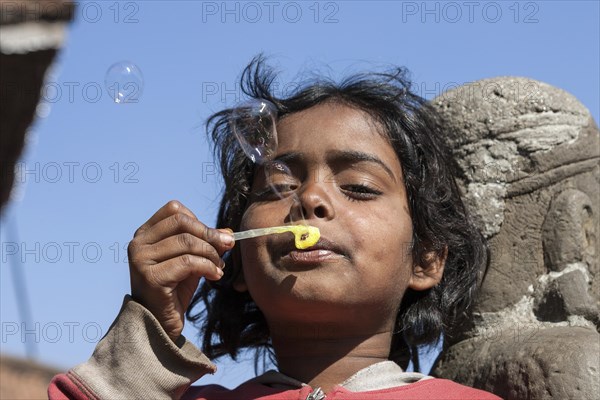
136	359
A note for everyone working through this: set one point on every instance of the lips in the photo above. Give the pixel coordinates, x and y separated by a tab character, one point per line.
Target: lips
313	256
323	251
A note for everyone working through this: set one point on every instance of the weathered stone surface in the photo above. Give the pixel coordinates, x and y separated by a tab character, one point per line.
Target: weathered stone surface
502	130
571	216
520	143
564	296
512	108
529	162
528	362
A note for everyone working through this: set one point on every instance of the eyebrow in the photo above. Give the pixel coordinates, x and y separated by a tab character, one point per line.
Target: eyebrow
339	156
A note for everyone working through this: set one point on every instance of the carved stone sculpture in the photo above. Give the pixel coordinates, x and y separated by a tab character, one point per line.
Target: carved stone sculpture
528	157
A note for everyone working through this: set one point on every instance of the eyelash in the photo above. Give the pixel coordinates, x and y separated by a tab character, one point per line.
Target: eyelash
360	192
354	192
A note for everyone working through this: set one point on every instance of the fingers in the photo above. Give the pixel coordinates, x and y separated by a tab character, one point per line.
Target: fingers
181	223
171	208
175	270
180	244
174	218
173	246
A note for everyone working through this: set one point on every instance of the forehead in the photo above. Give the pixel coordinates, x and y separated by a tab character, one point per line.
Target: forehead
332	126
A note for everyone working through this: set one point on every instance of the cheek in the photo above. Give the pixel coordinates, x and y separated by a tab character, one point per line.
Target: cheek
250	218
383	228
264	215
254	266
250	255
382	238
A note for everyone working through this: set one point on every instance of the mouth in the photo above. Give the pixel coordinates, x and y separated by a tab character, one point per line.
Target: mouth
324	250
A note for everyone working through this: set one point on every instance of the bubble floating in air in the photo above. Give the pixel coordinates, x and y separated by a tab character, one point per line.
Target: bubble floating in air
254	125
124	82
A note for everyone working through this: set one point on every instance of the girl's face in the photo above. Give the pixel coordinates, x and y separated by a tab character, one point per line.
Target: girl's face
345	179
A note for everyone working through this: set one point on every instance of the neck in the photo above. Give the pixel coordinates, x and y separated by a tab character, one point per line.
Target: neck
328	360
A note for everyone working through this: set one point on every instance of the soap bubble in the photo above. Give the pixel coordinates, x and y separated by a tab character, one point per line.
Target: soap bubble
253	123
124	82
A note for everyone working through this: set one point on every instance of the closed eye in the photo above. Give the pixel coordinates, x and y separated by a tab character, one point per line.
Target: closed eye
357	192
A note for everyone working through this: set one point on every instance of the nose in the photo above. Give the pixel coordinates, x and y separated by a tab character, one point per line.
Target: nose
313	202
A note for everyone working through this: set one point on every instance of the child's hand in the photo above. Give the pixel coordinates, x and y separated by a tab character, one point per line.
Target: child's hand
167	257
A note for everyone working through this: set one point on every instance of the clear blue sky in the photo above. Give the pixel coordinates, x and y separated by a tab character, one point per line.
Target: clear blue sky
153	151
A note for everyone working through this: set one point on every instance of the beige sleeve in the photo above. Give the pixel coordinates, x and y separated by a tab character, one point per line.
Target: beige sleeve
136	359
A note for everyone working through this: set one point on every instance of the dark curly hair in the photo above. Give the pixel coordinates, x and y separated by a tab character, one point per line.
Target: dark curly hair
231	320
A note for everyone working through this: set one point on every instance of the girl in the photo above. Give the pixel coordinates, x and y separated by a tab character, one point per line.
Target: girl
396	265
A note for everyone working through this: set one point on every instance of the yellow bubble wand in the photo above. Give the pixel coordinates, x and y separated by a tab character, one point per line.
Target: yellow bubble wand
304	236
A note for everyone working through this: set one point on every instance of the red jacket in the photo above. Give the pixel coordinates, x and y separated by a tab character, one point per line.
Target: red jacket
64	387
137	360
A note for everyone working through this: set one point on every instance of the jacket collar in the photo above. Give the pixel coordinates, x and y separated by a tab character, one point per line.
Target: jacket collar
382	375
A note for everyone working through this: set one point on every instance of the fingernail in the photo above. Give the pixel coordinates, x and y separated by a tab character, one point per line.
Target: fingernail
226	239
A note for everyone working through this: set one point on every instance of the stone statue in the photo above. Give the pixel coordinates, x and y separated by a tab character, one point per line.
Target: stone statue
528	155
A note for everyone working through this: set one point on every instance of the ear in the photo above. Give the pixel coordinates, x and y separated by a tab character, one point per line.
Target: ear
429	274
239	284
